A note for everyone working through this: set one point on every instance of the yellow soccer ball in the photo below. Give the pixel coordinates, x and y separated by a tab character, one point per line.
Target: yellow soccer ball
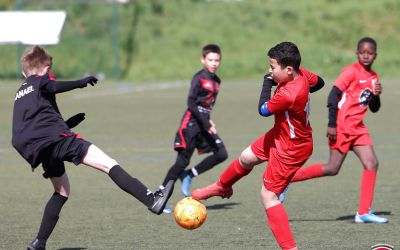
189	213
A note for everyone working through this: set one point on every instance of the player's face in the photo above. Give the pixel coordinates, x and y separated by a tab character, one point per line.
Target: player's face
211	62
366	54
278	74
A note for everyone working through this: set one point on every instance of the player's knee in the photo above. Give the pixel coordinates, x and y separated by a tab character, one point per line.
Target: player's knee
372	164
221	155
332	171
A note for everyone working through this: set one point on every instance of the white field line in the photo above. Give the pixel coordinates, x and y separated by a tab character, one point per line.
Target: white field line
120	89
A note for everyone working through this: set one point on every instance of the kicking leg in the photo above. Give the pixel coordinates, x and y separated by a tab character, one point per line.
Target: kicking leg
97	159
234	172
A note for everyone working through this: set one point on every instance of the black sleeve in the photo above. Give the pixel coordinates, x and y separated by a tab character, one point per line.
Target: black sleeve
333	100
192	105
63	86
375	103
320	83
265	95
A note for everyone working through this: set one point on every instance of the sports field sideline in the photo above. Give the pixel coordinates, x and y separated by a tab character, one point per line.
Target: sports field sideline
136	125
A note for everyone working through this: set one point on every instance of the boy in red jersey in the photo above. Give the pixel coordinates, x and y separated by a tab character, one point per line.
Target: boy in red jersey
356	89
41	136
286	146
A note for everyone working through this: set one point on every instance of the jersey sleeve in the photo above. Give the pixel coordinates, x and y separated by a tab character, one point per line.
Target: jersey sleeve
280	102
310	76
344	79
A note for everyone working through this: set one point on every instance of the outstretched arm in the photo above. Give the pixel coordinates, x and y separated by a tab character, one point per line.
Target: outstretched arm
63	86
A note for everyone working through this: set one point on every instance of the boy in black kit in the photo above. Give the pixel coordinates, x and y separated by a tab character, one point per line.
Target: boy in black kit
41	136
196	129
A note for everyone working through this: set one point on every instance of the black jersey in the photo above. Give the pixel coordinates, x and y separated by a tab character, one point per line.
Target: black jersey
37	122
202	96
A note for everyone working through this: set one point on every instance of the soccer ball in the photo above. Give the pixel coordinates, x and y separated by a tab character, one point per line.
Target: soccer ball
189	213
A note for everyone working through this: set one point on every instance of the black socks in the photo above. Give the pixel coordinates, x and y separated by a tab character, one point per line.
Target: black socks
131	185
50	215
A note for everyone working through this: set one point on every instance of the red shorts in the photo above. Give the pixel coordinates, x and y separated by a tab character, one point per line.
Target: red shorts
277	174
345	142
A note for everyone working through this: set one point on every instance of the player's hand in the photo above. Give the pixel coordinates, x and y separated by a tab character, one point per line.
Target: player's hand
377	89
90	80
73	121
212	129
331	134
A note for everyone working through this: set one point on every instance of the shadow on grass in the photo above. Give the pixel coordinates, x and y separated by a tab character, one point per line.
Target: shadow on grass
222	206
349	218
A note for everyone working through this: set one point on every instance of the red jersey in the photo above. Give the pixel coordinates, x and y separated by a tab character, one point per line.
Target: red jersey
291	106
356	83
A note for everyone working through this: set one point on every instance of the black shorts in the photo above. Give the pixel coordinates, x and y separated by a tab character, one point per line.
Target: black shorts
192	138
71	148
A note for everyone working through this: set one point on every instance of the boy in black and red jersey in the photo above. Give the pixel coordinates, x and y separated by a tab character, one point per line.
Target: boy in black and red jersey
196	129
41	136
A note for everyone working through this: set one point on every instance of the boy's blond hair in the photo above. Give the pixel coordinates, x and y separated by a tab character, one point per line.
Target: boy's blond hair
34	60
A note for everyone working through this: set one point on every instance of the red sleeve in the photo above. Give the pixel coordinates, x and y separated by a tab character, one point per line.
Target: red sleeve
280	102
311	77
344	79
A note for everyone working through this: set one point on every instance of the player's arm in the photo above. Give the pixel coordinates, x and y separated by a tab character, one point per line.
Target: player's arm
318	85
315	81
265	96
375	103
333	100
63	86
74	120
192	104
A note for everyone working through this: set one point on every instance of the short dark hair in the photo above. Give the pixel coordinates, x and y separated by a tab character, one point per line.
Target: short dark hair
286	54
211	48
367	40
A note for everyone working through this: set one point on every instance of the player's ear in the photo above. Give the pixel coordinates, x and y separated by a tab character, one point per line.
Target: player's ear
202	60
44	71
289	70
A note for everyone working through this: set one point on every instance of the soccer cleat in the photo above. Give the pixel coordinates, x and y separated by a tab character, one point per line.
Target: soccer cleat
282	196
186	180
370	218
161	197
37	244
210	191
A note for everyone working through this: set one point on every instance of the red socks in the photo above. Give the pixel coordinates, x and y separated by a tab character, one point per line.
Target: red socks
367	191
232	174
278	221
309	172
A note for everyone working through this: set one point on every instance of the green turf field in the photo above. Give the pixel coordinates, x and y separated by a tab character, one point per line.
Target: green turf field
136	125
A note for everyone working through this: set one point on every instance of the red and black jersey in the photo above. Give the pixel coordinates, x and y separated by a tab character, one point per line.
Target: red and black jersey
202	96
201	100
37	122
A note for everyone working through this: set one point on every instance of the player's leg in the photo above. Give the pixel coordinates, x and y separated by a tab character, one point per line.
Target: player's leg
331	168
52	210
97	159
219	155
368	158
276	178
278	220
234	172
